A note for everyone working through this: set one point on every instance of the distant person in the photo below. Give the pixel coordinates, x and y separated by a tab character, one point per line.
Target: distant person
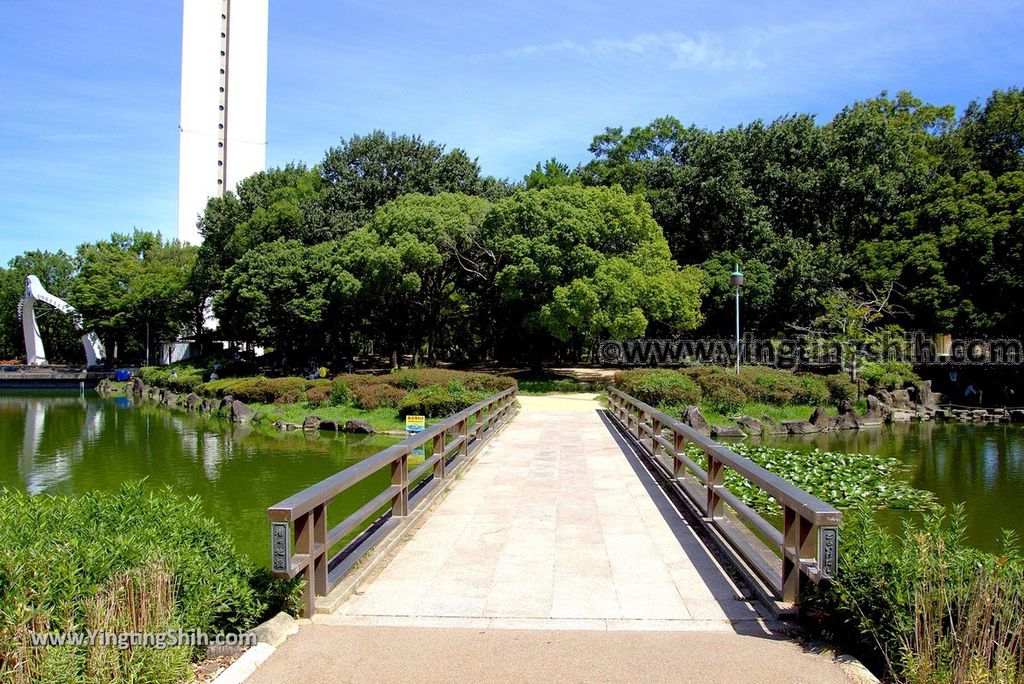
971	394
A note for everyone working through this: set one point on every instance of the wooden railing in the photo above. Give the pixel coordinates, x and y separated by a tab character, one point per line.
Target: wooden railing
806	548
300	539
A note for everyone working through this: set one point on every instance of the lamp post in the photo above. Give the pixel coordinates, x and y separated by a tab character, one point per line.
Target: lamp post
736	279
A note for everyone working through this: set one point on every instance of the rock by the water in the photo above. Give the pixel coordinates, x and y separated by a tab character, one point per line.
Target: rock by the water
847	420
925	395
901	399
1017	415
191	401
168	398
331	425
358	426
695	419
311	423
240	413
138	387
727	431
769	426
207	406
820	418
799	427
751	425
901	416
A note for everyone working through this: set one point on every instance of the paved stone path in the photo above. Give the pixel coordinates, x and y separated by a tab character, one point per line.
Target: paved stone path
554	527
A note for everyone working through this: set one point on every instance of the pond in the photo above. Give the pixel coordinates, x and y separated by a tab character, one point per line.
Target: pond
64	443
979	465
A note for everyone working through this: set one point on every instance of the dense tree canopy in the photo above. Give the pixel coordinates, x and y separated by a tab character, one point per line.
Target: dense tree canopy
398	246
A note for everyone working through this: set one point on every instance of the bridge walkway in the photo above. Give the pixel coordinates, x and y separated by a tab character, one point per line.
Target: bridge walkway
556	556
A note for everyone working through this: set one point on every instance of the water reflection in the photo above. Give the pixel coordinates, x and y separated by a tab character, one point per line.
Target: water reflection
69	444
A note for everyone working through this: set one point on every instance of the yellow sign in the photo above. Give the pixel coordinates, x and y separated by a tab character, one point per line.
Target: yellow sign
415	423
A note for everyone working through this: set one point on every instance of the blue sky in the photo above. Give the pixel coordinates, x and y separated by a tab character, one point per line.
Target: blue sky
89	90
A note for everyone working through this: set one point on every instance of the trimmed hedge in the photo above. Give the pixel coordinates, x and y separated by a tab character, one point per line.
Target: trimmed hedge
259	390
438	401
180	379
375	395
659	387
725	391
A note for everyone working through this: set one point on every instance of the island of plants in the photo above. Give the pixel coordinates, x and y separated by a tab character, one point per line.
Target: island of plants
365	402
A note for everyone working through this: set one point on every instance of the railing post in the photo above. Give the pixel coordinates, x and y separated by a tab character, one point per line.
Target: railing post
464	432
716	479
304	545
438	450
400	477
678	446
655	433
478	427
799	540
319	548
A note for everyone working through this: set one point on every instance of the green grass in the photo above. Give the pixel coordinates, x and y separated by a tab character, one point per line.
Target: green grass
384	418
795	412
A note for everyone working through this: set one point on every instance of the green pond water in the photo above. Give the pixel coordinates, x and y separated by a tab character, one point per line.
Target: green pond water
66	443
981	466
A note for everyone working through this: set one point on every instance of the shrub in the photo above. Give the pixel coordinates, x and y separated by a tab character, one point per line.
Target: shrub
722	388
659	387
375	395
340	393
889	375
840	388
181	379
438	401
68	561
259	390
924	606
286	390
319	393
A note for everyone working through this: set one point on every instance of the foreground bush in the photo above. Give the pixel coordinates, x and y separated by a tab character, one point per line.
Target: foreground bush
923	606
123	561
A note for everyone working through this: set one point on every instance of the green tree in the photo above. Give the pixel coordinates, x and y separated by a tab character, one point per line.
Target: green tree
292	297
552	174
417	260
556	255
366	172
994	132
957	256
134	291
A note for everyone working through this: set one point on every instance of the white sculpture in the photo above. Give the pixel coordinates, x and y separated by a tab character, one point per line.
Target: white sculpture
34	351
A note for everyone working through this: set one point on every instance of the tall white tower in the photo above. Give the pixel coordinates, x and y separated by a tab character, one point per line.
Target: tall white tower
223	102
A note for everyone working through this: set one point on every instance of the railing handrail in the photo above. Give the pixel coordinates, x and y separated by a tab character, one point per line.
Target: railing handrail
807	544
784	491
301	542
323	491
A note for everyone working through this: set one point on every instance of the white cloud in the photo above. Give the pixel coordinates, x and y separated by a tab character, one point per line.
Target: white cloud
742	49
